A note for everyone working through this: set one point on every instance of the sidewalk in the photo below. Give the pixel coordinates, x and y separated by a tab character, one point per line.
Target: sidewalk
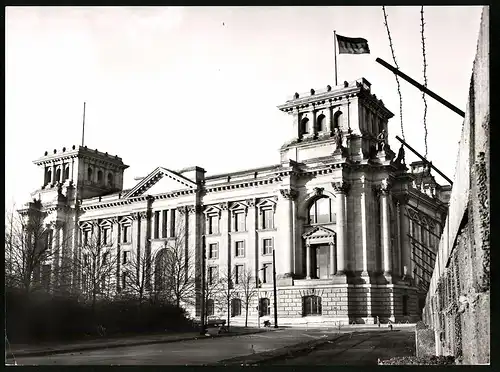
18	350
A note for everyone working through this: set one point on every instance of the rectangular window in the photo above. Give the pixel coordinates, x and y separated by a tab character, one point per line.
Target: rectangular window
46	276
238	274
213	224
85	259
267	219
125	234
213	251
164	232
84	282
157	225
103	282
267	246
86	235
105	258
105	236
267	273
240	249
213	274
124	280
239	222
125	256
172	223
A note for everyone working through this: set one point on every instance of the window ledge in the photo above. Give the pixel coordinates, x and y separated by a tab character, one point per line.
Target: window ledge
127	243
213	234
239	232
264	230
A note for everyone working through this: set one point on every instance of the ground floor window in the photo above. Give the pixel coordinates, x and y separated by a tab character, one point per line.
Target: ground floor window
311	305
210	307
235	307
405	305
265	307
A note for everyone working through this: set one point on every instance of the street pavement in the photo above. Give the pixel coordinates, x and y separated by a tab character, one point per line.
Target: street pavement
192	352
359	348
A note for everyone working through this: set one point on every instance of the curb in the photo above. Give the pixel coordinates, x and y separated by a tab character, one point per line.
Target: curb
114	346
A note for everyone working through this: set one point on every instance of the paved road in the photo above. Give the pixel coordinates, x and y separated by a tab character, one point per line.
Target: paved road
195	352
361	348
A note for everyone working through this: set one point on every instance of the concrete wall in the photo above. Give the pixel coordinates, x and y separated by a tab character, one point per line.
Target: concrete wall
457	305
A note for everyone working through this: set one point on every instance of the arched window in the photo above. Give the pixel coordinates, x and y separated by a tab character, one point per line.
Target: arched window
304	126
235	307
89	174
210	307
110	179
66	173
320	211
311	305
337	120
99	177
58	175
265	307
161	271
321	123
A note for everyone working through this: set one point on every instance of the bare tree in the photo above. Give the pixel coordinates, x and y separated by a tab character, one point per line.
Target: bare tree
228	290
136	276
29	246
248	288
97	265
211	292
179	268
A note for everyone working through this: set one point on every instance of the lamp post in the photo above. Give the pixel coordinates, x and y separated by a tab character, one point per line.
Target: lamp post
258	284
275	295
202	323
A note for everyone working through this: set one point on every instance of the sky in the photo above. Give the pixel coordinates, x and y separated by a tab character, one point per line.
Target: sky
178	87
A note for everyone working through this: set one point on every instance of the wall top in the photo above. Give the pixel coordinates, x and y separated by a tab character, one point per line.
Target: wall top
76	152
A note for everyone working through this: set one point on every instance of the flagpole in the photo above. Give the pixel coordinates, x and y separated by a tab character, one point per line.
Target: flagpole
83	125
335	53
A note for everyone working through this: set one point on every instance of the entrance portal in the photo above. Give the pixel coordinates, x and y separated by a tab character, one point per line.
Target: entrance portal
321	261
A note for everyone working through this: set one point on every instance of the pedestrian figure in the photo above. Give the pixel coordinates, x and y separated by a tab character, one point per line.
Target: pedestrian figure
378	321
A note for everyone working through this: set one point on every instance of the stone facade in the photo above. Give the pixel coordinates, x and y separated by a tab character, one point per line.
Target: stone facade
339	211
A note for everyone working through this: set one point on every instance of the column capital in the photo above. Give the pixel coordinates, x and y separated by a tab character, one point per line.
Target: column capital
224	206
341	187
383	188
143	214
191	209
288	194
182	210
250	202
402	199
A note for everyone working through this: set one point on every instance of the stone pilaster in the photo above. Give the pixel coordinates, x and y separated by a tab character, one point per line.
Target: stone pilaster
364	226
333	257
341	189
404	240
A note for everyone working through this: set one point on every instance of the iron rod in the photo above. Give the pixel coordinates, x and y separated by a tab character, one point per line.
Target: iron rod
421	87
425	160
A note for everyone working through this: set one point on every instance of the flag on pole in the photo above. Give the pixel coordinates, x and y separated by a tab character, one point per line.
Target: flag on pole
352	45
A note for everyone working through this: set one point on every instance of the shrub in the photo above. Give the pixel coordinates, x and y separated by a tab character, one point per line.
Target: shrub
428	360
38	317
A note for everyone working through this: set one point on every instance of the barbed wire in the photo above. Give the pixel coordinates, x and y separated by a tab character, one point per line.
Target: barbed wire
425	76
396	76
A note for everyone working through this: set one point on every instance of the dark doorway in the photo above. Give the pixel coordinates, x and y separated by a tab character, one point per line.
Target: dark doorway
321	262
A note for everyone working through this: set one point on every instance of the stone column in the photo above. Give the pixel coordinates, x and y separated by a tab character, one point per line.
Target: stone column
160	225
364	226
332	259
252	250
385	227
314	130
329	121
308	261
224	249
341	188
285	249
53	174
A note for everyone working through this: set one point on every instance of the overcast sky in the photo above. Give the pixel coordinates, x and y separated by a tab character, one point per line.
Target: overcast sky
178	87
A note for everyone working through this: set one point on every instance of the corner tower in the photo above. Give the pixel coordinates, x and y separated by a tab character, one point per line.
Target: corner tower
346	119
91	172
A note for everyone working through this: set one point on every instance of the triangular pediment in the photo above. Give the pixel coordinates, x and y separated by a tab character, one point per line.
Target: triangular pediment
317	232
161	181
